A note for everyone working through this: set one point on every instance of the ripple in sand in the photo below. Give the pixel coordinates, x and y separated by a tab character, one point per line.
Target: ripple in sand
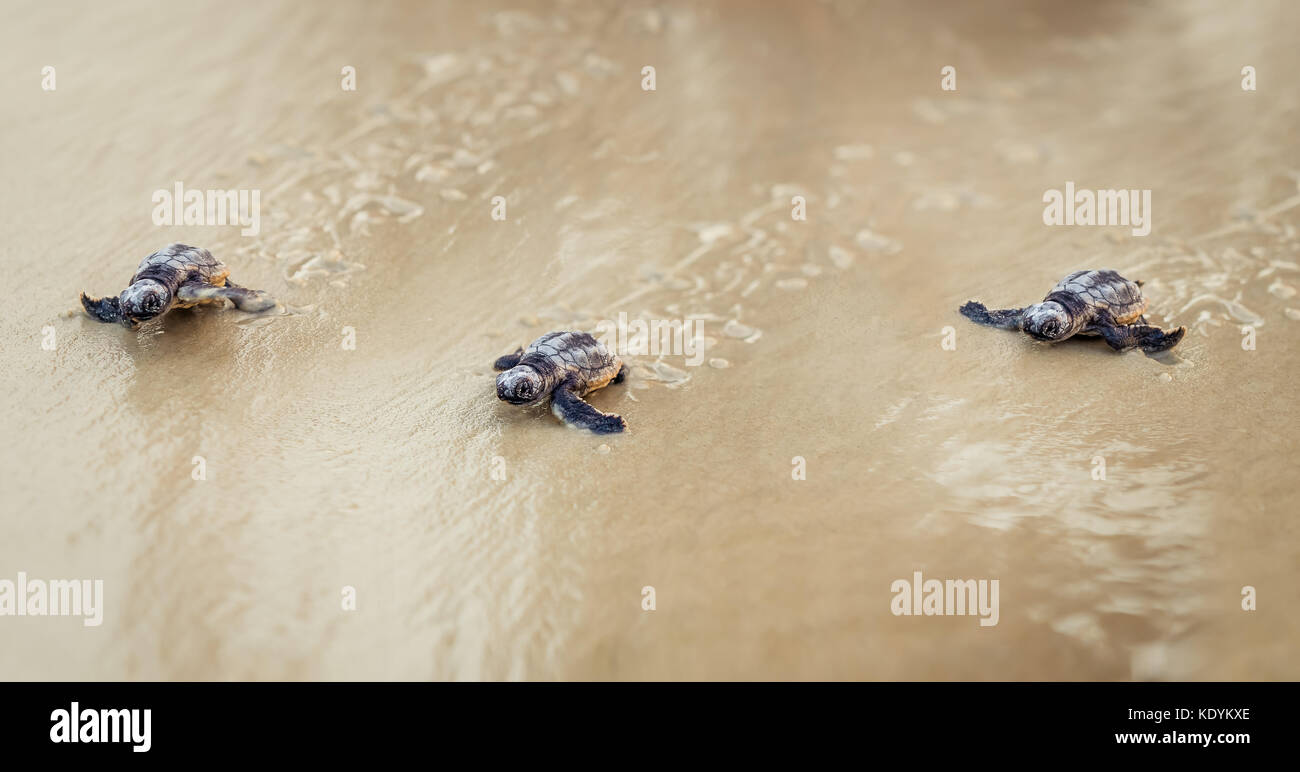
928	111
1235	310
662	372
441	68
652	21
708	234
719	363
267	317
1020	152
1281	289
404	210
464	159
854	153
841	257
950	199
734	329
792	285
874	242
316	266
567	83
430	173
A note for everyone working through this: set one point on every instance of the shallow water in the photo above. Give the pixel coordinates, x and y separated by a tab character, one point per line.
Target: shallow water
372	467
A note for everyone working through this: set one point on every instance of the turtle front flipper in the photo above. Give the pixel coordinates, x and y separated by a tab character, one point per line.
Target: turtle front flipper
1006	319
252	301
571	409
106	310
1149	338
508	361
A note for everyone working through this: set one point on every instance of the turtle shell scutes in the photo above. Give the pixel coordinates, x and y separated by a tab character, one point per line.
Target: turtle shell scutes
573	353
1105	291
184	261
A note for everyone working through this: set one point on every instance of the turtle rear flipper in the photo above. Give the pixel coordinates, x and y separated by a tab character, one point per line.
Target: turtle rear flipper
1006	319
570	408
508	361
252	301
1159	340
1149	338
106	310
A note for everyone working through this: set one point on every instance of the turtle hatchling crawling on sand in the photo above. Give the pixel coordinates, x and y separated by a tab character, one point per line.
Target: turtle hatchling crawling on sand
176	276
1085	303
567	366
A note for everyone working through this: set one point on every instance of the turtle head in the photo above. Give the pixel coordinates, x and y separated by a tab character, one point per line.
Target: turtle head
143	301
520	385
1047	321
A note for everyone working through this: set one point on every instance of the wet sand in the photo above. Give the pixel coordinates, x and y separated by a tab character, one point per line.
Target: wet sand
372	468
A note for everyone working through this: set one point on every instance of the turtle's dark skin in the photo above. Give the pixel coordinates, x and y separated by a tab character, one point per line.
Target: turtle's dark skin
176	276
1085	303
567	366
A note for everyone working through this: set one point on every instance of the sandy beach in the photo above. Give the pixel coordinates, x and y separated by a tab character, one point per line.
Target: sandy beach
230	477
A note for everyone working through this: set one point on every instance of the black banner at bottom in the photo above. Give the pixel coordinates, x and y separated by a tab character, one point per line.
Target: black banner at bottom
211	721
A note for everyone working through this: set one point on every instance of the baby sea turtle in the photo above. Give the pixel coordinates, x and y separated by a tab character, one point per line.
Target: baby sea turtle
1085	303
568	366
176	276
